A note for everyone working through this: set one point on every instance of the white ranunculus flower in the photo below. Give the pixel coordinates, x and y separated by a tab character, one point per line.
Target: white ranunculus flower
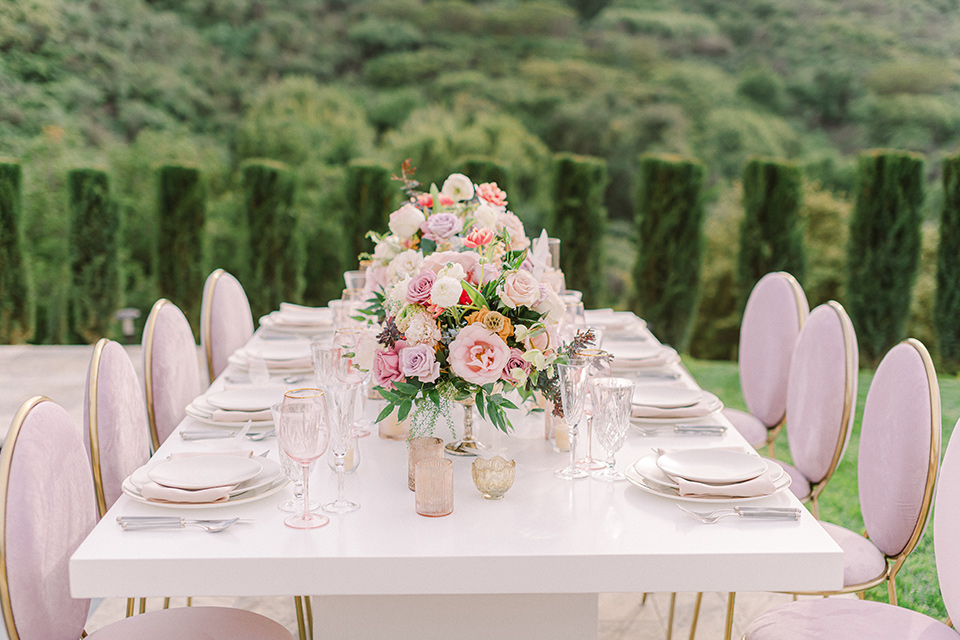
406	221
446	292
387	249
457	187
486	216
453	270
422	330
405	264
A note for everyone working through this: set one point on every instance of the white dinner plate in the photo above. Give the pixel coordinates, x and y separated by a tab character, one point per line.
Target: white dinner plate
708	405
233	500
250	398
270	471
611	320
637	480
204	417
634	350
276	350
666	397
273	367
204	472
714	466
647	468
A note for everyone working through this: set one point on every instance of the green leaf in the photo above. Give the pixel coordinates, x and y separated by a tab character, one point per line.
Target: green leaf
407	388
475	296
387	410
508	404
404	410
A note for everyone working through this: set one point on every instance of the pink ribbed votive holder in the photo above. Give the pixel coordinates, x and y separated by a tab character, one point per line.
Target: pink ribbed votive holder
434	495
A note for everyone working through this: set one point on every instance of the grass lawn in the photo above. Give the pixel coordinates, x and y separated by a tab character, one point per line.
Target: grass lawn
917	584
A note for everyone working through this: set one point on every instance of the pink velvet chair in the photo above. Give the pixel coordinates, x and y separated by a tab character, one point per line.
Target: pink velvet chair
821	399
47	508
843	619
772	319
226	323
170	368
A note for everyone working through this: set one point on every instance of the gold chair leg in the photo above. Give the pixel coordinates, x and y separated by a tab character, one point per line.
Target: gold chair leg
309	607
130	604
300	623
166	603
643	599
673	606
143	605
815	507
892	590
696	614
728	630
189	601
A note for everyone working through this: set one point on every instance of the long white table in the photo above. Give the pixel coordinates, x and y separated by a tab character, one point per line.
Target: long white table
529	566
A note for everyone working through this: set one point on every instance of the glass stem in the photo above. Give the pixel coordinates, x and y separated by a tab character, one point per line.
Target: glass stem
590	438
306	491
573	446
610	462
340	461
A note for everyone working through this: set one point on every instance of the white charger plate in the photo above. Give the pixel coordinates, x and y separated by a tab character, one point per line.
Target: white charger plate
241	498
201	415
709	405
252	398
276	350
647	468
203	472
666	397
270	471
273	367
714	466
649	486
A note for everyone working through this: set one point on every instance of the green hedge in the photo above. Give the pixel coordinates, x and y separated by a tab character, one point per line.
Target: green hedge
95	294
579	220
884	248
370	193
946	313
17	309
181	209
277	252
482	170
770	235
670	245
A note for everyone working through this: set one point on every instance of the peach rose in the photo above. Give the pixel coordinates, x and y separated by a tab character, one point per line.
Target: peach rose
520	289
478	355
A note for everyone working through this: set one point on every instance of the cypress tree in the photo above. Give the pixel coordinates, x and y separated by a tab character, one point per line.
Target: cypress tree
370	193
17	311
481	169
884	248
946	310
277	253
181	207
94	262
770	235
669	221
579	220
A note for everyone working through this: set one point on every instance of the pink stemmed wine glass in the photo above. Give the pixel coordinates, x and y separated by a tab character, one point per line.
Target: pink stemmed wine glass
303	432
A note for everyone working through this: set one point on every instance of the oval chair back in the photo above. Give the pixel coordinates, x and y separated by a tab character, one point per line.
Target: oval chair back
226	323
899	451
116	432
821	396
946	525
170	369
47	508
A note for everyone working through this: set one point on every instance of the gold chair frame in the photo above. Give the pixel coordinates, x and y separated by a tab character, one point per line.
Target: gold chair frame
148	334
206	318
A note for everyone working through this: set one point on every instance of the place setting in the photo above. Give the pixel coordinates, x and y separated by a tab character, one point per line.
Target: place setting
241	408
640	355
297	320
661	410
275	357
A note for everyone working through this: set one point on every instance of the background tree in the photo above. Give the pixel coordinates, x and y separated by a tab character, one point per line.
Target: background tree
947	304
480	170
370	193
884	248
95	294
670	233
181	209
770	235
16	297
579	220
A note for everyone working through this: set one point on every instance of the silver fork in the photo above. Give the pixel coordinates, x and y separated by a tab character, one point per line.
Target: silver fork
163	523
757	513
217	435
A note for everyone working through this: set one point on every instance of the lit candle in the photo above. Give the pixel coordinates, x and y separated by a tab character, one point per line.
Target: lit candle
561	433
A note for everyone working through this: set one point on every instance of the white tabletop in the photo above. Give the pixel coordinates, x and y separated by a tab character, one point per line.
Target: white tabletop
546	536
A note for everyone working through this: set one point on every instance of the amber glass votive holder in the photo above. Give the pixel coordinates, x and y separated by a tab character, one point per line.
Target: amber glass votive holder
434	497
419	449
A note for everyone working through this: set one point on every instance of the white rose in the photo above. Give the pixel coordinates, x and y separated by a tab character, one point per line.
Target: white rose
453	270
551	305
446	292
422	330
486	216
457	187
406	221
520	289
405	264
387	249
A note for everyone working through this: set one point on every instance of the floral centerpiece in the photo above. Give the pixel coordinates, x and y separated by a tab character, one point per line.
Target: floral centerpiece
469	312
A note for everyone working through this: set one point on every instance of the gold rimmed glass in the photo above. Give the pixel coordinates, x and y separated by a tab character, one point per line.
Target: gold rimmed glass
303	432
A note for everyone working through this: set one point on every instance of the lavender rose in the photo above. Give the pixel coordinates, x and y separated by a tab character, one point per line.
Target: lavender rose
515	361
419	361
441	226
418	291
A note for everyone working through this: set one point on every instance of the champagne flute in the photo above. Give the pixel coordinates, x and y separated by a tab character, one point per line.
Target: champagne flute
598	366
573	378
341	398
612	397
352	342
292	470
303	432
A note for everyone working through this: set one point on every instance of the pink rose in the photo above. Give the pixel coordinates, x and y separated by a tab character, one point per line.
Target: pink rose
493	194
478	355
418	291
441	226
419	361
436	261
489	271
376	279
515	361
520	289
386	366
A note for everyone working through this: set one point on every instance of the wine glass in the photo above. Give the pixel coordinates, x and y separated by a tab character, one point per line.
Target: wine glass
325	357
355	279
341	398
573	321
303	432
598	366
612	398
292	470
352	343
573	379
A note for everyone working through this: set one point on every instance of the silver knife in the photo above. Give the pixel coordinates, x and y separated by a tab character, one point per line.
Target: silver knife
683	430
